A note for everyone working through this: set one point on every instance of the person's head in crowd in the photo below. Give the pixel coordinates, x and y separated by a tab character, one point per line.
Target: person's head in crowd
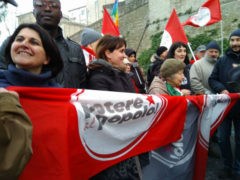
131	54
89	38
200	51
178	50
172	71
31	49
47	13
127	63
235	40
13	2
162	52
112	49
213	50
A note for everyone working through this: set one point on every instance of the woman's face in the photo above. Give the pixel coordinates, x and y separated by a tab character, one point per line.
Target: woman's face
180	53
27	51
116	57
132	58
176	79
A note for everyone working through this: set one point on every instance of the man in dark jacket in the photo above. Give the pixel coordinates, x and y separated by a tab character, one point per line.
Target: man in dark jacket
48	15
154	68
219	81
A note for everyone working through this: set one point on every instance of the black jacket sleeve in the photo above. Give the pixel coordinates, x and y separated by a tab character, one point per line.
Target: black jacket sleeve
214	81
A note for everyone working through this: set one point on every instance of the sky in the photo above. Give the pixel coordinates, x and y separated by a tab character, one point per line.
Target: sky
25	6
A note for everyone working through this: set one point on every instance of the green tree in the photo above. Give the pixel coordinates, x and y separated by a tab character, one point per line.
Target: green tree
204	38
144	57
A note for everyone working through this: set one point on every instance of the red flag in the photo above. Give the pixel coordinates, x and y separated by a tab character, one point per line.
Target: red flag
78	133
173	31
209	13
108	26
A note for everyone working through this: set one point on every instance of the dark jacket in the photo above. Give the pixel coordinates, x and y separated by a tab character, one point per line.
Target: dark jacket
74	71
17	77
137	75
103	76
220	77
138	79
186	82
154	69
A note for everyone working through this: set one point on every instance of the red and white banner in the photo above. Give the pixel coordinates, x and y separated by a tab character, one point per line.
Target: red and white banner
108	26
78	133
209	13
173	32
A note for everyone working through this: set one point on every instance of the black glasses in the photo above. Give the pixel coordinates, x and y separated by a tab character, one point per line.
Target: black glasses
41	4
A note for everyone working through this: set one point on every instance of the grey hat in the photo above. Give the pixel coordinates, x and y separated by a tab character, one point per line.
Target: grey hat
89	36
13	2
201	48
170	67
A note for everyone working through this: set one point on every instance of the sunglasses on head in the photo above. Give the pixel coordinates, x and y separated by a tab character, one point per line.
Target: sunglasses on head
41	4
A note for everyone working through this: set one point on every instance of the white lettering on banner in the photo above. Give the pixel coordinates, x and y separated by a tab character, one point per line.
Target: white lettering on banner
115	124
202	17
177	149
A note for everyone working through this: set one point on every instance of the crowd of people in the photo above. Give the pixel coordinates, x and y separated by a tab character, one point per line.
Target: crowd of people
37	55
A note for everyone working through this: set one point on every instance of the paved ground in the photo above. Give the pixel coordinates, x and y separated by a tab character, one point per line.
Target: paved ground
214	163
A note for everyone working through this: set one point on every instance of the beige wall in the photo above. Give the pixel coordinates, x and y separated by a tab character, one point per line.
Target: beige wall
69	28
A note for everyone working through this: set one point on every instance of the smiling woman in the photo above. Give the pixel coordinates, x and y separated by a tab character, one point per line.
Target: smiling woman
33	58
108	73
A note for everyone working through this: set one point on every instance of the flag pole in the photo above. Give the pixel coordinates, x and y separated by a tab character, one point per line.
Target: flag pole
221	26
191	51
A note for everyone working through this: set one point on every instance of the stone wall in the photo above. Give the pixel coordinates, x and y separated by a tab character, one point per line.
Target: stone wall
230	17
136	13
132	21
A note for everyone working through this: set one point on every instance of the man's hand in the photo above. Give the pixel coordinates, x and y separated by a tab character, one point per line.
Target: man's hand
224	91
7	91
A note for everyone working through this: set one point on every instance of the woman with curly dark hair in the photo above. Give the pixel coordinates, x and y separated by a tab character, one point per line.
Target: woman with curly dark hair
178	50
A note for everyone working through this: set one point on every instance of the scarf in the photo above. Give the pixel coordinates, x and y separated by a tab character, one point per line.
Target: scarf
173	91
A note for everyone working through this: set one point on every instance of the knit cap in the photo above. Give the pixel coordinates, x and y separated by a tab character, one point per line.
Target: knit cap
213	45
89	36
129	52
170	67
160	50
235	33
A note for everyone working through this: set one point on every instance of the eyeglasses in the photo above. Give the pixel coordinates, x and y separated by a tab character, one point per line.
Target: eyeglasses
41	4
